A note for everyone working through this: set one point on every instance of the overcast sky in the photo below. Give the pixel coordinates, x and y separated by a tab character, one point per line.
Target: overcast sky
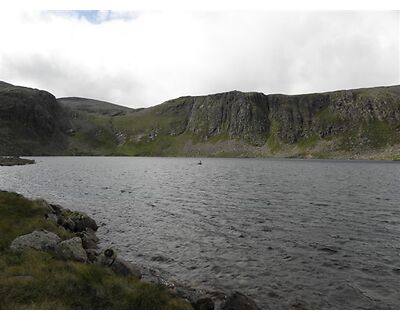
140	59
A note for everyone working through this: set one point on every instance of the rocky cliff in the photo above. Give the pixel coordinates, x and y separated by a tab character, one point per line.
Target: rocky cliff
31	122
361	123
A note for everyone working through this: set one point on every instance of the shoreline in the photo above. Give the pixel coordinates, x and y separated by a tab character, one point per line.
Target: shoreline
84	228
200	299
204	157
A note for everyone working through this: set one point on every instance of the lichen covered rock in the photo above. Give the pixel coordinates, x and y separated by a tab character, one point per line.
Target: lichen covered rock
71	249
39	240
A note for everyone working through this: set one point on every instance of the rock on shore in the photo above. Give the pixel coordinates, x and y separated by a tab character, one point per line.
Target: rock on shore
39	240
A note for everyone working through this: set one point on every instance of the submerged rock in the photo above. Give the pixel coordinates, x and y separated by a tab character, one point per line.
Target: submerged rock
118	265
71	249
205	303
125	268
39	240
238	301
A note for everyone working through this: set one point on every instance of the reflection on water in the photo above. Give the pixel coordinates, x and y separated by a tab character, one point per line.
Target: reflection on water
288	233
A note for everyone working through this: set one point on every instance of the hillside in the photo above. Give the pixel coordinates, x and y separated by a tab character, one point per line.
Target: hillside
358	124
31	122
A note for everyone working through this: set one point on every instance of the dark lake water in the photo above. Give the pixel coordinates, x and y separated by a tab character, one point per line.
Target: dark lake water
288	233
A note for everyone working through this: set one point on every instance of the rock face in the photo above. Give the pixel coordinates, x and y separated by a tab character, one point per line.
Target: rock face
32	122
39	240
71	249
254	117
255	124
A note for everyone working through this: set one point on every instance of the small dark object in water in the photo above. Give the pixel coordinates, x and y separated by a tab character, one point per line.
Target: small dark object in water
109	253
199	163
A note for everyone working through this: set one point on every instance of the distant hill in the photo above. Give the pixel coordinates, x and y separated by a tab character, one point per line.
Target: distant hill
93	106
357	124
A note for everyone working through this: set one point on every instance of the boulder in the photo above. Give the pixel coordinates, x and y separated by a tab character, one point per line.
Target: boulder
118	265
89	222
89	239
71	220
52	217
79	222
61	220
57	209
125	268
50	212
108	257
39	240
92	254
68	223
207	300
71	249
238	301
204	303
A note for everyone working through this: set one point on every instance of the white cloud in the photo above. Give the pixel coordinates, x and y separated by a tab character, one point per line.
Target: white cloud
140	59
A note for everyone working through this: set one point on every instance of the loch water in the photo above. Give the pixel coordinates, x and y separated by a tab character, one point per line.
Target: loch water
314	234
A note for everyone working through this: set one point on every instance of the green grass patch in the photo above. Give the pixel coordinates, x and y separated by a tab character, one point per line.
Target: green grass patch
369	135
162	145
309	142
273	140
151	120
19	215
35	280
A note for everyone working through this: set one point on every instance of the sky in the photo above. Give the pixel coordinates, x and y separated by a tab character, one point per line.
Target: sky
143	58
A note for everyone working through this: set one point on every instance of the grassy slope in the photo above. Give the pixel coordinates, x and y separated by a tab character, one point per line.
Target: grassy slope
150	132
36	280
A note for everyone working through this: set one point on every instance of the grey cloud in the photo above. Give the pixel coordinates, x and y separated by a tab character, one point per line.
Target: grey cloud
159	56
64	79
